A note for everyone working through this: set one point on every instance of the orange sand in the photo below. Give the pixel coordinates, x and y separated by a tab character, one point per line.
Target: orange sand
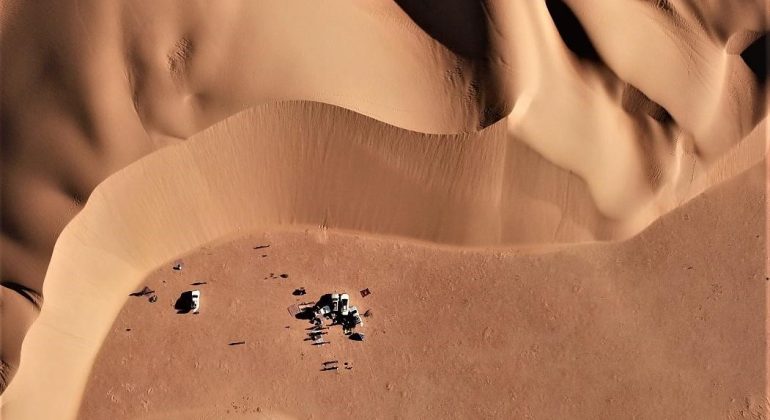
666	325
135	131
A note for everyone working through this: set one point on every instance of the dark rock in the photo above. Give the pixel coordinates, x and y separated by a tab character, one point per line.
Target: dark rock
145	291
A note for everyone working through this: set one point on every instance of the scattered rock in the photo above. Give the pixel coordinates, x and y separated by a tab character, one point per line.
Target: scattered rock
145	291
261	246
299	292
153	298
177	266
284	276
368	313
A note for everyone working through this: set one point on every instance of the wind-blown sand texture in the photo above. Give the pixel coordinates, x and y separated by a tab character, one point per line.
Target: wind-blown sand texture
509	125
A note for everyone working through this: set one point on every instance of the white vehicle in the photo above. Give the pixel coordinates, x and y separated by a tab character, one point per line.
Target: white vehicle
335	302
354	313
344	299
196	301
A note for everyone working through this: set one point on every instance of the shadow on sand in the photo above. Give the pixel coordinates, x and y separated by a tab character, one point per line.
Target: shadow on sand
184	304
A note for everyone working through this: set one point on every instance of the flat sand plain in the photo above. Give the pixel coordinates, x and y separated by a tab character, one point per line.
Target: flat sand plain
666	325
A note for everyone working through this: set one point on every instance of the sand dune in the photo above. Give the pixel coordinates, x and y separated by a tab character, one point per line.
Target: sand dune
497	123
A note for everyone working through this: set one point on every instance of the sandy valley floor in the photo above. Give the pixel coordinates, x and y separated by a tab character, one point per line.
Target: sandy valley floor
667	325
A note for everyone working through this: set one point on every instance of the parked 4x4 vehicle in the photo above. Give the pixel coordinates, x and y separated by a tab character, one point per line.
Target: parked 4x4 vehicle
196	301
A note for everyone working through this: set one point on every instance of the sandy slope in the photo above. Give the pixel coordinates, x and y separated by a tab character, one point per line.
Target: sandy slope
581	143
667	325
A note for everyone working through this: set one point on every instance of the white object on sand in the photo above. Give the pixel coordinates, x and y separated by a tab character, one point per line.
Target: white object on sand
344	299
196	301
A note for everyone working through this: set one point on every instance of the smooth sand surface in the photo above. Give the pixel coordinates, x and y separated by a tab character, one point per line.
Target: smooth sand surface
669	324
489	124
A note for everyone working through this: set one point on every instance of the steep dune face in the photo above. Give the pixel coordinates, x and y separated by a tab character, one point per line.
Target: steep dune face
612	114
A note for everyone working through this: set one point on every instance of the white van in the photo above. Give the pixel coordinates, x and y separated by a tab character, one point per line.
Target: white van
344	299
196	301
335	302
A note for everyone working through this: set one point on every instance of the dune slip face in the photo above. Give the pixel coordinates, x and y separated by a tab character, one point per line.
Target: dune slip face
136	131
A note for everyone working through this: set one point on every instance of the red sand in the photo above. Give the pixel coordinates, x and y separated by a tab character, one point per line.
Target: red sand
669	324
136	131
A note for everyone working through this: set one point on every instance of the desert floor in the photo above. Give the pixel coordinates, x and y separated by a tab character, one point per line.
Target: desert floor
665	325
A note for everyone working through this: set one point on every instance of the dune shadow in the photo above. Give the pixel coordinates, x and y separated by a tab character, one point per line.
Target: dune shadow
459	25
572	32
755	57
